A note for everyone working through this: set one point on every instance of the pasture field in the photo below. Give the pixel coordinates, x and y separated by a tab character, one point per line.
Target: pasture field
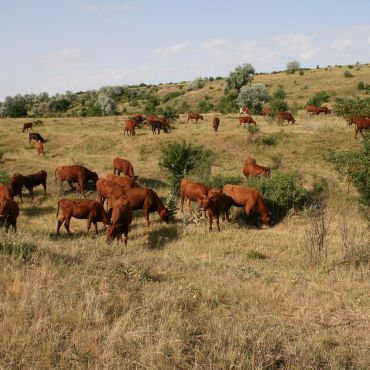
180	297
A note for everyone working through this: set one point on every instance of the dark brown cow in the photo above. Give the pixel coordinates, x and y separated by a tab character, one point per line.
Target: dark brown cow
194	116
361	123
194	191
157	126
123	165
266	111
248	198
251	168
125	181
286	116
35	179
140	198
16	184
215	123
246	119
325	110
35	136
138	118
5	192
151	117
78	174
86	209
27	126
120	221
130	126
9	212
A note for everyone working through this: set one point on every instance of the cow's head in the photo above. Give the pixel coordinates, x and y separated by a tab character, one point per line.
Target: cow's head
165	215
94	177
266	218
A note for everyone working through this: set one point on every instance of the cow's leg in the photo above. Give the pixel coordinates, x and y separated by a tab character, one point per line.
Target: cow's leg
66	223
189	206
146	214
14	224
210	219
31	192
218	222
96	228
182	202
356	131
126	237
70	183
44	186
81	188
60	223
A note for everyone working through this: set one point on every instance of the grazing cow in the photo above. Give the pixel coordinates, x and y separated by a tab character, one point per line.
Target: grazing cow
138	118
35	136
325	110
129	127
124	181
248	198
244	110
194	115
266	111
123	165
16	184
140	198
121	219
311	109
157	126
286	116
86	209
151	117
5	192
27	126
39	147
9	212
215	204
251	168
194	191
215	123
246	119
35	179
361	123
78	174
105	187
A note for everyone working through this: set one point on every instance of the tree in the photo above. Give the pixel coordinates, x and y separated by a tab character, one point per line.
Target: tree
196	84
106	104
242	75
319	98
292	67
253	96
14	107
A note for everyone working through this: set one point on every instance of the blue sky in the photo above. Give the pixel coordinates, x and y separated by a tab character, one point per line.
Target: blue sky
58	45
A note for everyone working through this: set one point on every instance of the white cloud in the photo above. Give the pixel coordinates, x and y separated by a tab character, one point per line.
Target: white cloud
106	7
215	43
172	50
341	43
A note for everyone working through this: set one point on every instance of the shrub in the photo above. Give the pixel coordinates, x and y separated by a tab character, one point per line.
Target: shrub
205	106
1	155
218	181
348	108
242	75
279	93
196	84
106	104
253	96
4	177
276	161
151	105
255	255
361	86
319	98
350	66
301	72
278	105
292	67
172	95
348	73
183	159
183	108
14	107
227	103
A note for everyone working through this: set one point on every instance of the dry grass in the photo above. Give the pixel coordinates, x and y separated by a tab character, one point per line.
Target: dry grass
176	298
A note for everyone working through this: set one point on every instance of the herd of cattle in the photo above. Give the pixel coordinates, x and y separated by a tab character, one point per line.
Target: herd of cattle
123	194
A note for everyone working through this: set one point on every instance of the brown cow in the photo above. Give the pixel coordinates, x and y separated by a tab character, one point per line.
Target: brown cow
5	192
266	111
246	119
78	174
9	212
35	179
39	147
286	116
125	181
325	110
16	184
140	198
194	115
138	118
120	221
215	123
244	110
105	187
194	191
311	109
27	126
251	168
248	198
361	123
129	127
89	209
123	165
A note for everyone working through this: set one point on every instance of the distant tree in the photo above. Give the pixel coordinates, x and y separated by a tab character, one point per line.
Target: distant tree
241	76
292	67
106	104
196	84
279	93
253	96
14	107
319	98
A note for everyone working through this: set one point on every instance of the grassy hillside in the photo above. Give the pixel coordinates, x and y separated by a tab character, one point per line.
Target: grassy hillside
179	296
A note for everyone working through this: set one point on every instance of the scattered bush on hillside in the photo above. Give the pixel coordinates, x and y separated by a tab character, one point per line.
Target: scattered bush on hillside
319	98
349	108
2	153
205	106
253	96
276	161
197	83
180	159
184	107
151	105
218	181
301	72
241	76
227	103
292	67
106	104
347	73
350	66
361	85
279	93
278	105
172	95
4	177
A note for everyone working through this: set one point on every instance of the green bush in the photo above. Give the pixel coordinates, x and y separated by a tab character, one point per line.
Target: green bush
361	85
279	93
347	73
319	98
1	155
4	177
172	95
227	103
183	108
205	106
218	181
278	105
349	108
183	159
301	72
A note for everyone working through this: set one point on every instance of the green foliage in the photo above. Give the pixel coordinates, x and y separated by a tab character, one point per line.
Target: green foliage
218	181
347	73
279	93
4	177
227	103
319	98
276	161
184	107
242	75
151	105
301	72
105	104
14	107
349	108
255	255
254	96
182	159
197	83
1	155
205	106
361	85
172	95
171	204
278	105
292	67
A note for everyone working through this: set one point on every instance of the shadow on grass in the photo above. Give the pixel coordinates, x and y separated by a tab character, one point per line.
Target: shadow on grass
150	183
21	251
60	259
63	235
157	239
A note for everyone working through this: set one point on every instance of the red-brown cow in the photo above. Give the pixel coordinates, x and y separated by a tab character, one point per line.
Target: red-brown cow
9	212
125	181
251	168
325	110
246	119
194	191
266	111
120	221
215	123
78	174
248	198
16	184
105	187
311	109
82	209
27	126
130	126
35	179
123	165
39	147
5	192
286	116
361	123
194	116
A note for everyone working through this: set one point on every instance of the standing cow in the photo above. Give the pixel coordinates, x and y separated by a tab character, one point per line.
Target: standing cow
123	165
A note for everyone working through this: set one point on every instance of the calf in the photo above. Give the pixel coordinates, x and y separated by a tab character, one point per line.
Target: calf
286	116
39	147
248	198
86	209
9	212
215	123
194	191
78	174
120	221
123	165
157	126
5	192
27	126
35	179
361	123
35	136
251	168
194	116
130	128
246	119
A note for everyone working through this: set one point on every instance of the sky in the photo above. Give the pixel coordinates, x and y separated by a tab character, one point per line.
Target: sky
59	45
